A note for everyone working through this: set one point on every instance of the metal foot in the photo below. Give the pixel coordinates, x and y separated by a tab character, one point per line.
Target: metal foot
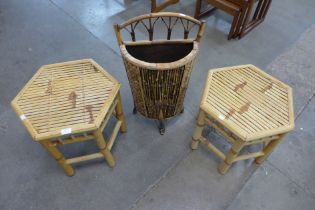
134	111
161	127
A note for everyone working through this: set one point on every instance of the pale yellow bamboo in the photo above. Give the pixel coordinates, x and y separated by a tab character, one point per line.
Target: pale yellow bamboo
246	106
248	156
214	149
198	130
201	31
226	164
70	102
118	35
159	14
120	114
114	135
103	147
85	158
268	149
75	139
220	130
53	150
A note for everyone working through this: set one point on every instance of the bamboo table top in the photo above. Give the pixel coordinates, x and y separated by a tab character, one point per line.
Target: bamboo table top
248	102
64	98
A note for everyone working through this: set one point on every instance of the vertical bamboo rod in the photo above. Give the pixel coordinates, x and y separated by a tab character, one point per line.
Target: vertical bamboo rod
226	164
120	114
201	31
268	149
198	130
118	34
103	147
53	150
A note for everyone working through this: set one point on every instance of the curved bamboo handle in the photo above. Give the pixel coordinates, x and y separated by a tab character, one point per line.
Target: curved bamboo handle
201	31
118	27
118	34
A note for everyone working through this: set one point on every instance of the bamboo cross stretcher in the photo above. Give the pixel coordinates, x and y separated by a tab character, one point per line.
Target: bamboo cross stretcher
71	102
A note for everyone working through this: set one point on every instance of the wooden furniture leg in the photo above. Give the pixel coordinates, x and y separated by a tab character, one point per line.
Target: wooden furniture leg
199	13
226	164
233	29
258	11
198	130
264	9
247	18
161	127
268	149
120	114
237	14
259	16
158	8
53	150
197	9
103	147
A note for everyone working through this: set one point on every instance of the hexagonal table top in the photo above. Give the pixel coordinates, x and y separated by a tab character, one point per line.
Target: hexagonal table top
248	102
70	97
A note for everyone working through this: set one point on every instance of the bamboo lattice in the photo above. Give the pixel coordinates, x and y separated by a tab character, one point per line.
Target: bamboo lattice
246	106
159	69
249	102
72	95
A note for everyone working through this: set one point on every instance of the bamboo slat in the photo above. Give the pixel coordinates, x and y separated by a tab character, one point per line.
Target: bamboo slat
249	102
246	106
71	102
70	95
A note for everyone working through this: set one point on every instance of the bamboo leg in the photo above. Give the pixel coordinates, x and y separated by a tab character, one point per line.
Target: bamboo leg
120	115
198	130
53	150
226	164
268	149
103	147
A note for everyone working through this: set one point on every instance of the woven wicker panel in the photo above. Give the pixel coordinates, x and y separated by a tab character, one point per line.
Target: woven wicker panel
248	100
159	89
159	50
66	95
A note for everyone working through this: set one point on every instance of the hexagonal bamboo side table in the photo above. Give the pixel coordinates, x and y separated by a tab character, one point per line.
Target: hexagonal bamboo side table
246	106
71	102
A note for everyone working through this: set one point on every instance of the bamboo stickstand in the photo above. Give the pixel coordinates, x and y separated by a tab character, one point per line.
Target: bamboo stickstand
159	69
71	102
246	106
